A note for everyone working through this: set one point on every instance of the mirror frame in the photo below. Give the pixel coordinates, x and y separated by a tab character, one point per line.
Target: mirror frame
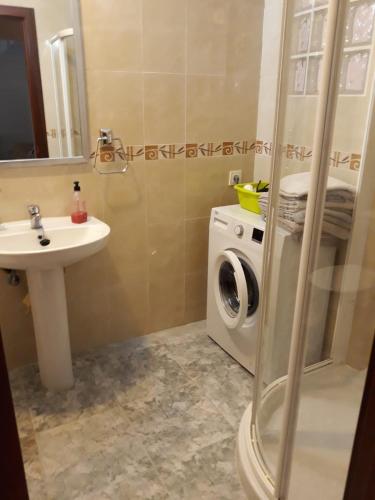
81	79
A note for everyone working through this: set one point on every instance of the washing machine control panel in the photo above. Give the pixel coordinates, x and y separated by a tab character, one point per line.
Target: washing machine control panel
257	235
238	230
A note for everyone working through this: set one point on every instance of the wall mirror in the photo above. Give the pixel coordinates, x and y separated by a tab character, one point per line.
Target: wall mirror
43	117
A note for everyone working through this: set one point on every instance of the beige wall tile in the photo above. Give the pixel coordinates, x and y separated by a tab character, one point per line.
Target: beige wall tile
88	321
196	244
127	251
164	36
164	108
124	196
87	287
112	13
207	183
52	191
196	296
244	44
213	104
112	34
207	31
113	49
128	309
262	167
219	41
124	199
16	323
166	275
165	191
115	100
167	300
166	248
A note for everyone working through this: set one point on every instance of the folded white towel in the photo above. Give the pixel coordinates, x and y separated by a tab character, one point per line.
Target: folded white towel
328	228
298	185
338	209
333	216
292	206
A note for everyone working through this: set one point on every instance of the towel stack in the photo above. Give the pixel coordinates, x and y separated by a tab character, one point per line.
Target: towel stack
338	210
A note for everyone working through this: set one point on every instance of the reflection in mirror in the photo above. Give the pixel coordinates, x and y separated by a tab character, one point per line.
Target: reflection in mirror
40	109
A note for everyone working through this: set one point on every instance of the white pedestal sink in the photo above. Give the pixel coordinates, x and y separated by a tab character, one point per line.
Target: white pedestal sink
20	248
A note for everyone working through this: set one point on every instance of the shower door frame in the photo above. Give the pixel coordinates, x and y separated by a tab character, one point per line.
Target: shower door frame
324	124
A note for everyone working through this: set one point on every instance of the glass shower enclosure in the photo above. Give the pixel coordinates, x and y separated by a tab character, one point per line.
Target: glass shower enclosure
296	437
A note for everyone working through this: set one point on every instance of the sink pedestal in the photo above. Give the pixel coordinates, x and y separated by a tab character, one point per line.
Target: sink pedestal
50	315
69	243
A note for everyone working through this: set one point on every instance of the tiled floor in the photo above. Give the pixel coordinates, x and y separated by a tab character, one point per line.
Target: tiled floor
152	418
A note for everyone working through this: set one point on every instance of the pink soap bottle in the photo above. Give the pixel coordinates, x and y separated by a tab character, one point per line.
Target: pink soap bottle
79	213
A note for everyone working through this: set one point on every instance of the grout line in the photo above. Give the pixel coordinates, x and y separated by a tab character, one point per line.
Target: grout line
195	381
202	217
186	11
135	72
146	229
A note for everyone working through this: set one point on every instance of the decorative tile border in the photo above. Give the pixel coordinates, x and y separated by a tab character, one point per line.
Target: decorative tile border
53	133
151	152
337	159
190	150
134	152
263	148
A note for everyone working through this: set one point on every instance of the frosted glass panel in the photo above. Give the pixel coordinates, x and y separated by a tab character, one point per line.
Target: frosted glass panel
313	75
319	30
302	34
354	72
303	5
360	23
298	76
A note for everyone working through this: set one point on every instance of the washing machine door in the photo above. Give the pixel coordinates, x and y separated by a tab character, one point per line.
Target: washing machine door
236	289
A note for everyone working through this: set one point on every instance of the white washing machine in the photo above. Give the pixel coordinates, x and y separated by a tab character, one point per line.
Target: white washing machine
236	245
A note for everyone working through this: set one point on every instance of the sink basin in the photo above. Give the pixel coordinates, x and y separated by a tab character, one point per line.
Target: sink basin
69	243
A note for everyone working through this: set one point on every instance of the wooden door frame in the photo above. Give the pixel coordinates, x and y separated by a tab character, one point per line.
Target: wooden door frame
360	484
34	80
12	474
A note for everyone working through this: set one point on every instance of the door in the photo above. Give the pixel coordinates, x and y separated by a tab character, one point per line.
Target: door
236	289
12	474
22	122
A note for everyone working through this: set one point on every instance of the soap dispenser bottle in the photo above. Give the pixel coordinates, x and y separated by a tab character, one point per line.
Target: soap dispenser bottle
79	213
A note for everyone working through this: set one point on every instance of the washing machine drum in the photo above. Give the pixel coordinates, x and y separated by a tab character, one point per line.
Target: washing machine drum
236	289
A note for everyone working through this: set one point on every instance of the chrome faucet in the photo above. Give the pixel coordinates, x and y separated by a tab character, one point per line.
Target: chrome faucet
36	218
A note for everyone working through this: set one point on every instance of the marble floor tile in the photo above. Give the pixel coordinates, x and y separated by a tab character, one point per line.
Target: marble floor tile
155	417
200	356
173	438
91	392
66	445
108	472
230	392
33	467
196	474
